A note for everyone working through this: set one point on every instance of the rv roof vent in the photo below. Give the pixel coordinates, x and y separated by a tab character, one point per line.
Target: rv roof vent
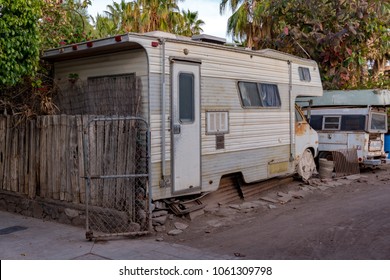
209	39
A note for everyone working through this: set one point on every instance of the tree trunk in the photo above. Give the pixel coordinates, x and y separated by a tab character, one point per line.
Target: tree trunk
379	67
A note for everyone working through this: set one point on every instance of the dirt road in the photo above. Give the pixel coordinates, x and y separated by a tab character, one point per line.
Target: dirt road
342	219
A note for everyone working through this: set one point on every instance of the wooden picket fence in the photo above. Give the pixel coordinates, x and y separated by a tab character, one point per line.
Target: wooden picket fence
43	157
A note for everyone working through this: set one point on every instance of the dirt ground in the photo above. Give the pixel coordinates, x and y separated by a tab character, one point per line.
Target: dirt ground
343	218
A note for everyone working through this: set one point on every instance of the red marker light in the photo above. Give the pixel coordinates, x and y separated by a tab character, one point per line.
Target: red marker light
89	44
155	44
118	38
74	47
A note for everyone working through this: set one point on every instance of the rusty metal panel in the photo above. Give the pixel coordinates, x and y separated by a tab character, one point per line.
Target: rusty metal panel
346	162
278	168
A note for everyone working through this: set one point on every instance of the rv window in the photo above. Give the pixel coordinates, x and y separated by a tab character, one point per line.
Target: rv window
353	122
304	74
249	94
378	122
186	97
259	95
332	123
270	95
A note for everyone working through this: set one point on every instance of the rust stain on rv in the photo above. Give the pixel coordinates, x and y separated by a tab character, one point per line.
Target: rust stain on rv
276	168
300	128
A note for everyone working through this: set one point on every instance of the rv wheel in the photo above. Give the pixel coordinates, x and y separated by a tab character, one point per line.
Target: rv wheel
306	165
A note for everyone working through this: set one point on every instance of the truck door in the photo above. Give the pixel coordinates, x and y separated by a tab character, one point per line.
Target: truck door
185	126
306	145
305	136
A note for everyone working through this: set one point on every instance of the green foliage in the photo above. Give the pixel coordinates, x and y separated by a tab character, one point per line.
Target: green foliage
342	36
19	40
64	22
146	15
190	24
27	27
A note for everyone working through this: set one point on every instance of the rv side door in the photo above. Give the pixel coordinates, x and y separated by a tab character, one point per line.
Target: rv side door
185	126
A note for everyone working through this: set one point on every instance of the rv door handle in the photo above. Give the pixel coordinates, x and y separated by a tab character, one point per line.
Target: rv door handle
176	129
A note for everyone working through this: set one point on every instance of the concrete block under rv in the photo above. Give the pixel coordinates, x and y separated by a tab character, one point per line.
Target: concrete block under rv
212	109
350	120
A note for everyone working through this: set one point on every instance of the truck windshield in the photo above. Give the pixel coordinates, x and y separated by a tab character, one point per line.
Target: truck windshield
378	122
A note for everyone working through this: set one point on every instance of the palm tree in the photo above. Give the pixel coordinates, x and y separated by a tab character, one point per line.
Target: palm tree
125	16
191	24
131	17
115	12
104	26
147	15
159	15
242	24
143	15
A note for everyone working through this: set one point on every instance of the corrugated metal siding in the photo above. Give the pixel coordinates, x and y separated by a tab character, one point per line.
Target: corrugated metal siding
155	127
229	64
339	111
352	98
303	88
157	191
252	163
250	131
110	64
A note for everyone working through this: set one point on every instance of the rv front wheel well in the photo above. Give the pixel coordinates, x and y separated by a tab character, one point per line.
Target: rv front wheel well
311	149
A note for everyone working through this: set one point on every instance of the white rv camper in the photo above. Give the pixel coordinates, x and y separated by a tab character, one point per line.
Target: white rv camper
355	119
212	109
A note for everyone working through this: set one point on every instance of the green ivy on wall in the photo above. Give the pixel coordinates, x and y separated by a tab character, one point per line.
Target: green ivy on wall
19	40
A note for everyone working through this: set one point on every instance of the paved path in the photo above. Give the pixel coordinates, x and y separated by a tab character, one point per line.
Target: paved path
33	239
335	222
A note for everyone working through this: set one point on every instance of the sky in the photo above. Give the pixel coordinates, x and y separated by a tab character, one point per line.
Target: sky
208	11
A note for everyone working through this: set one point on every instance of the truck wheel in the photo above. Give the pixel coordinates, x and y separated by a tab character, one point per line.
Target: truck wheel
306	165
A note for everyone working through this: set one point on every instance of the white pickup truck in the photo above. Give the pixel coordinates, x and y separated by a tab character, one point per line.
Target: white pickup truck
350	120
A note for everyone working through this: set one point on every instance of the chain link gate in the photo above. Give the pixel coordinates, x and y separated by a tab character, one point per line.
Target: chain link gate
116	162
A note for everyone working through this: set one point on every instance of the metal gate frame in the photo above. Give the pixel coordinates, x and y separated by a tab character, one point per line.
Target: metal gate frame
106	215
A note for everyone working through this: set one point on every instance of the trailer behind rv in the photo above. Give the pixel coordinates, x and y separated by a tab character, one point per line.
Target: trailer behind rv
212	110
